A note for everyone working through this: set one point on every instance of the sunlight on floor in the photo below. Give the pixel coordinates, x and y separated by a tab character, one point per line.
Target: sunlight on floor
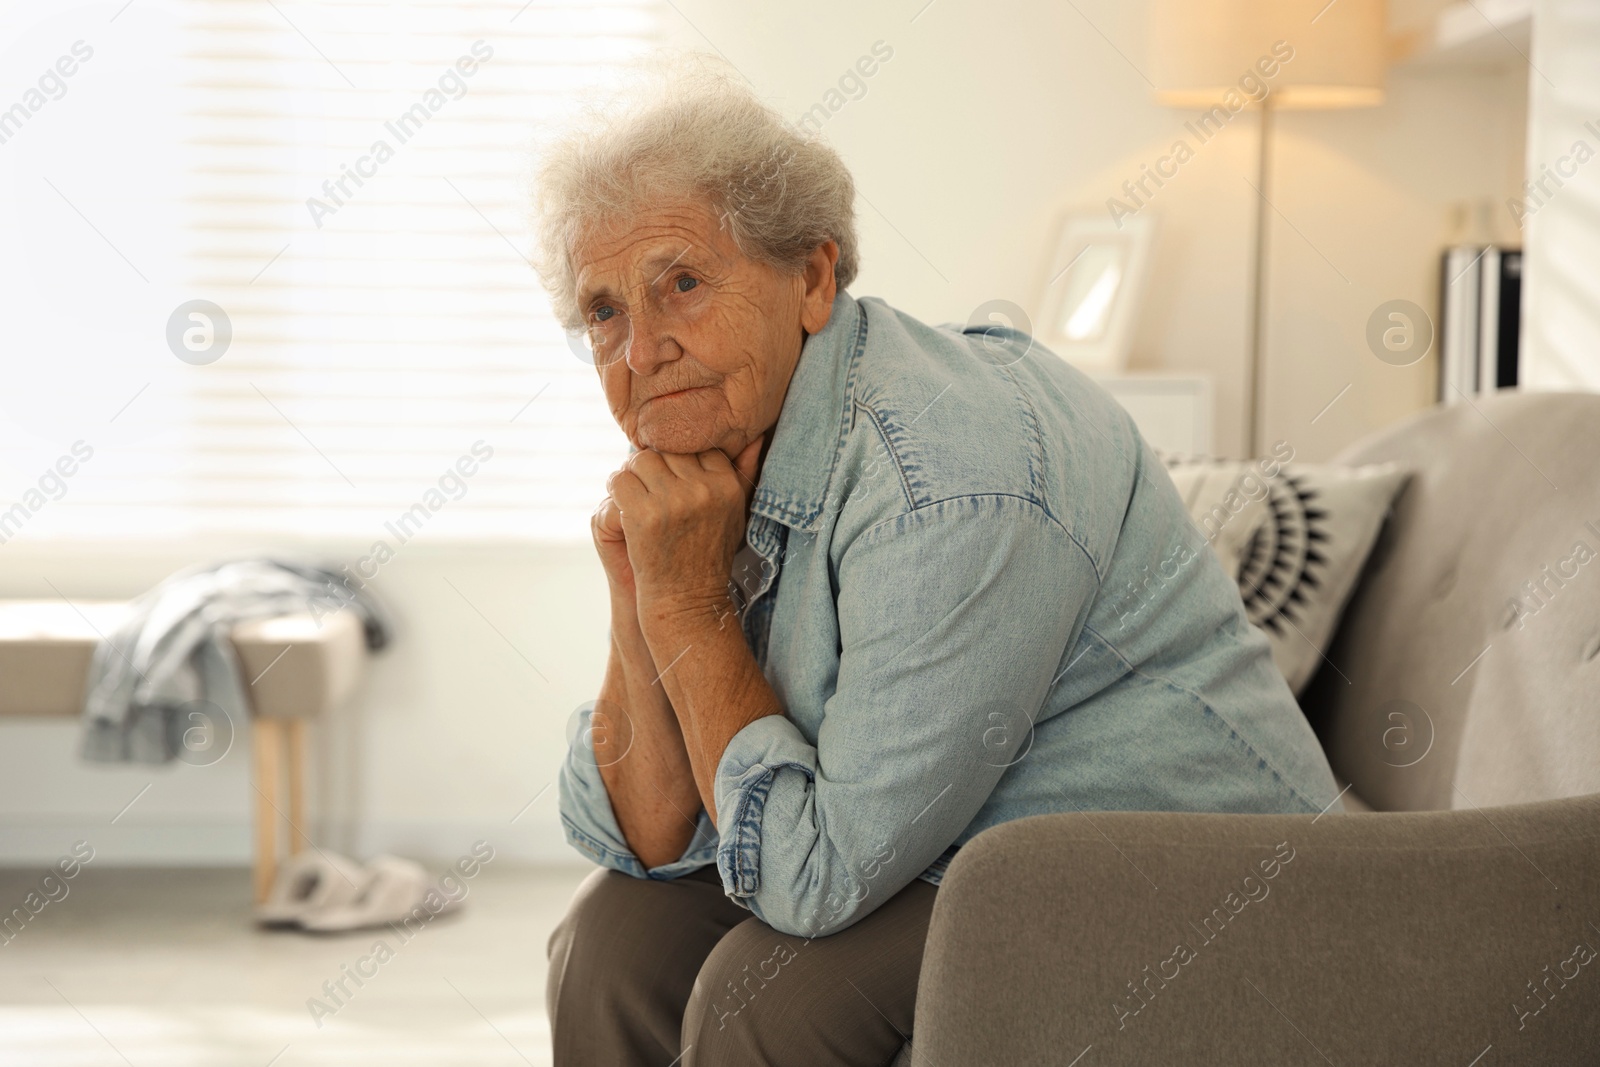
162	967
226	1035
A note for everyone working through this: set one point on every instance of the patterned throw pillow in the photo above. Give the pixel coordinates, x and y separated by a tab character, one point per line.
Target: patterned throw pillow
1293	537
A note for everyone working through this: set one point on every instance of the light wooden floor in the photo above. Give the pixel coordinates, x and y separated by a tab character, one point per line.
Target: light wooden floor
162	968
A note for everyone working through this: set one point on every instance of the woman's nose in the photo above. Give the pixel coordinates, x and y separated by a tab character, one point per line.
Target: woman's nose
648	345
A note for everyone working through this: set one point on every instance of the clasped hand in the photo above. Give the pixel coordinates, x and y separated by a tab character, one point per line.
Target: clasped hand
671	524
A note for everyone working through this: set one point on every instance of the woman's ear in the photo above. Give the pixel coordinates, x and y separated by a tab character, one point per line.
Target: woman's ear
816	305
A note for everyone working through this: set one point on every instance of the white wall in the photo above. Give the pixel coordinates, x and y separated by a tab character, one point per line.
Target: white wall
988	120
992	118
1561	298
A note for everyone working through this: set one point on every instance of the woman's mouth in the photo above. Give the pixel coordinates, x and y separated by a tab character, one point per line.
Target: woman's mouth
677	393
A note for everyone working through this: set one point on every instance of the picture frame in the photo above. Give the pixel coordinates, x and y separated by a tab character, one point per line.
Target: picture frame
1093	288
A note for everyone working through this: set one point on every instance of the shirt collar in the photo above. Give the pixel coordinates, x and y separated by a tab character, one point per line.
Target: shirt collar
811	427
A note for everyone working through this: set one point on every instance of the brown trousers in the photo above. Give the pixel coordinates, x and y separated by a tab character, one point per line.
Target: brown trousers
659	973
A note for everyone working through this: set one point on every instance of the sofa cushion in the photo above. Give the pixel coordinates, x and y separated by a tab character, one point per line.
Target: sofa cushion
1294	537
1468	660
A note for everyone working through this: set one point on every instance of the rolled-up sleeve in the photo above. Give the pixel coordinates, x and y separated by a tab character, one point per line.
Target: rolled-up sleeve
591	826
953	619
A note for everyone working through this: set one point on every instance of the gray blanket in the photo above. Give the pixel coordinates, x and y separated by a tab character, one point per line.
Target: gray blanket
173	654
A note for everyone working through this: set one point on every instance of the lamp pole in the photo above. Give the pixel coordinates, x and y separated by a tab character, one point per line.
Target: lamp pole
1258	303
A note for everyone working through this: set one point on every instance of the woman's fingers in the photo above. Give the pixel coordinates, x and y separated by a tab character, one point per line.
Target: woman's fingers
713	460
649	467
626	488
748	462
607	520
681	466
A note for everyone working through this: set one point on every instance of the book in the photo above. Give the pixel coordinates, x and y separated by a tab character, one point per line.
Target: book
1460	278
1500	319
1488	320
1480	316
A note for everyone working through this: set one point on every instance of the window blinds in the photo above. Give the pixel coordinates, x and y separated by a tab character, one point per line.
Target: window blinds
342	187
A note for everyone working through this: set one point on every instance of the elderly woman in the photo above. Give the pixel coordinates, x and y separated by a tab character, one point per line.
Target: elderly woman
875	587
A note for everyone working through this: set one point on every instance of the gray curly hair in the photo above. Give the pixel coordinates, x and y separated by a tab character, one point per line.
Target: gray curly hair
685	128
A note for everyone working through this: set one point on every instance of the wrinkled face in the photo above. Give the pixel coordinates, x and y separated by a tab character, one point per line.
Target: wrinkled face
694	341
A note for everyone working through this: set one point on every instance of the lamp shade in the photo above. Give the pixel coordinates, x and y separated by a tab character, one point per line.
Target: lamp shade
1305	53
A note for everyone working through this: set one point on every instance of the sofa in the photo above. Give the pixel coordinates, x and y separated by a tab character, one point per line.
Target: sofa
1450	915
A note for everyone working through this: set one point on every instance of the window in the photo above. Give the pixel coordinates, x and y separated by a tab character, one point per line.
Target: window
347	182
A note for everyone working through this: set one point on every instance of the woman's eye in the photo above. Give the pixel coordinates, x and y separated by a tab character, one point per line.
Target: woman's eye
604	312
685	283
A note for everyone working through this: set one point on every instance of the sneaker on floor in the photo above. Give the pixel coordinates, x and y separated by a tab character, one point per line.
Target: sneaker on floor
310	882
395	889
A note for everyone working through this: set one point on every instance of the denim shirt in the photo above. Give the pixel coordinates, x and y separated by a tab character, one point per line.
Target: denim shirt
980	598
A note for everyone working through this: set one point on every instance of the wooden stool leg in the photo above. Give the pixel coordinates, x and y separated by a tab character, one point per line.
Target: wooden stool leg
297	787
267	745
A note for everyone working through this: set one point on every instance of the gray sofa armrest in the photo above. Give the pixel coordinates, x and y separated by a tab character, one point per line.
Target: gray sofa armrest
1415	938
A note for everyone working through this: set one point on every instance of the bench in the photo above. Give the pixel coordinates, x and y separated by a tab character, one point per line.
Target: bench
295	667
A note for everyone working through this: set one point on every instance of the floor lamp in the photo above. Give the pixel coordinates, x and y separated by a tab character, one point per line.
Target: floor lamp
1218	57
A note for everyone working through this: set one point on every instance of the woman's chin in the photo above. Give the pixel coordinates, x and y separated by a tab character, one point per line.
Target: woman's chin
679	434
677	438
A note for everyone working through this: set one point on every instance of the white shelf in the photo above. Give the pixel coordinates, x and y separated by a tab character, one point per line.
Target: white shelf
1172	411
